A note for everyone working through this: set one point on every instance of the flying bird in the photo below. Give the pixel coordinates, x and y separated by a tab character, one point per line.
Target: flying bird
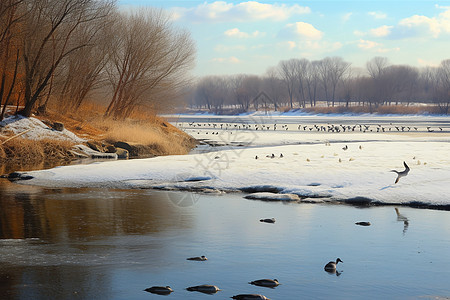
402	173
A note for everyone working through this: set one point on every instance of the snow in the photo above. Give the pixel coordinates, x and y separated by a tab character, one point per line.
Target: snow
273	197
37	129
314	166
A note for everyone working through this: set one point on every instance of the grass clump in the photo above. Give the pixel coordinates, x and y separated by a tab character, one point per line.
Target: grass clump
24	151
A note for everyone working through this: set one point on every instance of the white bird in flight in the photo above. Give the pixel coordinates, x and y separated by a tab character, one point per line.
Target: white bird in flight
402	173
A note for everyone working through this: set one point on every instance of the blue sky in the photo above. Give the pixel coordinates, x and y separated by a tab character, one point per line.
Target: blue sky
235	37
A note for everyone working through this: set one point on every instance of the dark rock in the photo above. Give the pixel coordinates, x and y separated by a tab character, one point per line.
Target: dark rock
94	146
58	126
261	188
110	149
122	153
123	145
14	176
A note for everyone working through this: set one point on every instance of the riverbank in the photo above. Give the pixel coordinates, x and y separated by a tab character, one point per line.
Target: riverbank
350	161
54	139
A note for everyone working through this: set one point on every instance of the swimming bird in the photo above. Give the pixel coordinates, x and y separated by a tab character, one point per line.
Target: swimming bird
160	290
331	266
249	297
272	220
402	173
266	282
363	223
197	258
204	288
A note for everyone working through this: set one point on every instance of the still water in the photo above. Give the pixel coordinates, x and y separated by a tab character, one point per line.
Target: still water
112	244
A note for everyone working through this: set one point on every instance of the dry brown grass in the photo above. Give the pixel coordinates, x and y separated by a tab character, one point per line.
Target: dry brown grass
24	151
163	139
142	128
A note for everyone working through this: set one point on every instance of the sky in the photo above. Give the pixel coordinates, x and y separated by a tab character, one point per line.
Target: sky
248	37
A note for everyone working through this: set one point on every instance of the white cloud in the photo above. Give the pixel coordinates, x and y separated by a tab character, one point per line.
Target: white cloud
235	32
222	11
347	16
423	26
302	30
225	48
359	33
231	59
374	46
310	49
427	63
365	44
377	15
381	31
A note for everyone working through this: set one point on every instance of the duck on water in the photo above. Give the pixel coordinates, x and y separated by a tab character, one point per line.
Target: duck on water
331	266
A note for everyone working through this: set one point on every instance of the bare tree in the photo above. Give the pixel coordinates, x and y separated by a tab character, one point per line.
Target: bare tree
11	15
49	38
273	85
213	91
81	72
312	79
150	61
286	69
246	89
376	66
442	94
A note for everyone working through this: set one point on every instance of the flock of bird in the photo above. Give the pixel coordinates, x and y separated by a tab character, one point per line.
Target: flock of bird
331	128
330	267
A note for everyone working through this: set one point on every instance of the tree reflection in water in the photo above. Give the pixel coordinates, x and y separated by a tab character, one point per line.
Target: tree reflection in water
50	239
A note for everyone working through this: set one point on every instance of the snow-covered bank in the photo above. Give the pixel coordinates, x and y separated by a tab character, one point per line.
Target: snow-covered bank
35	129
360	173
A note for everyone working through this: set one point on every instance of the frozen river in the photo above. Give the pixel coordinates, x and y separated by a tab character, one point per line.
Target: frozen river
108	230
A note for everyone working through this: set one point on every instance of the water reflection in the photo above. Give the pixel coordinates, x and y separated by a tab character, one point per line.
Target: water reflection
402	218
51	240
74	214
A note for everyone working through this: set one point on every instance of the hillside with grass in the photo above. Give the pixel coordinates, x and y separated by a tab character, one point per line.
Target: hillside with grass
142	136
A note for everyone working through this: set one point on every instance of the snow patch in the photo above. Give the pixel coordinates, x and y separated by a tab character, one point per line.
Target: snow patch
36	129
273	197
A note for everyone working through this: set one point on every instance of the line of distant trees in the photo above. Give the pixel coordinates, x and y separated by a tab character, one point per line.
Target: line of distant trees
304	83
67	51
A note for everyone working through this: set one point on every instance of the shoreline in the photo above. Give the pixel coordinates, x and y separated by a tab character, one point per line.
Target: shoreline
52	140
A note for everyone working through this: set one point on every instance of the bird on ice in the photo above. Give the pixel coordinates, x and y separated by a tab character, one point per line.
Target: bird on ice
401	174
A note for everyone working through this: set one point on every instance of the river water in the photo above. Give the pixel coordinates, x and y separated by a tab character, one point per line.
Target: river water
112	244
